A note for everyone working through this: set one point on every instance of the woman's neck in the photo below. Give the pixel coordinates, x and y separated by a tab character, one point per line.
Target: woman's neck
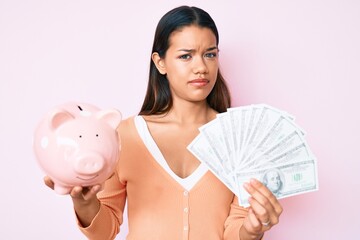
190	112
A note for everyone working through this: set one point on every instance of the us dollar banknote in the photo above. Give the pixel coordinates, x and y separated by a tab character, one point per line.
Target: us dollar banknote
283	180
246	142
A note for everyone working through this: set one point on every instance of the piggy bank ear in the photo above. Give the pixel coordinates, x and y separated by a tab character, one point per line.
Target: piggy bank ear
112	117
59	117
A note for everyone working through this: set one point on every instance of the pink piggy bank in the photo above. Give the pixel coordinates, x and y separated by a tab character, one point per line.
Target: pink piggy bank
76	144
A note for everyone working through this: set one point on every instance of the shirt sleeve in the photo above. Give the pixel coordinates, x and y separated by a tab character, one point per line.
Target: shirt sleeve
106	224
234	221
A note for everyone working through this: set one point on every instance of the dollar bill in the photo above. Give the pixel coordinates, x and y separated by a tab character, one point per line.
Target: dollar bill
263	123
202	150
283	180
287	147
227	133
279	130
217	139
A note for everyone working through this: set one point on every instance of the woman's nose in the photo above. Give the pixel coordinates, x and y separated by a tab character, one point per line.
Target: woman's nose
199	65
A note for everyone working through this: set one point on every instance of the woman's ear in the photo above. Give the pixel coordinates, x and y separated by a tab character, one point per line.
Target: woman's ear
159	63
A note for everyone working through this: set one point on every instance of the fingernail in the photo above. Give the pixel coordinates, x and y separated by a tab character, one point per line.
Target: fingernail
96	188
254	181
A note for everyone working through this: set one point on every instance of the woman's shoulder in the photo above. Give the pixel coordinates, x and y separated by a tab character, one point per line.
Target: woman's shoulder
128	120
126	124
154	118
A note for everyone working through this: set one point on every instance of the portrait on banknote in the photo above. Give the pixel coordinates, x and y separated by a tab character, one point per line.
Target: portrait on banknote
273	179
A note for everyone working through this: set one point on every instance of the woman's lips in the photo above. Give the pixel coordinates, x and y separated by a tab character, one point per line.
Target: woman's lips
199	82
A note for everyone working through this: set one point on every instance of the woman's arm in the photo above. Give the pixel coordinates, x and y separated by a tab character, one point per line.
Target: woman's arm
108	216
264	211
86	203
251	223
99	212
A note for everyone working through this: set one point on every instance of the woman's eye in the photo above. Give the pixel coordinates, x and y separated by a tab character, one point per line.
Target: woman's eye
185	56
210	55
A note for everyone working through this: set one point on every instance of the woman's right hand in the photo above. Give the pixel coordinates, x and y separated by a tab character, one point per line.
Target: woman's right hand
78	193
86	203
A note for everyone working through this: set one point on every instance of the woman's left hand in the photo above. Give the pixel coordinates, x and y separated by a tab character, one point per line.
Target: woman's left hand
264	211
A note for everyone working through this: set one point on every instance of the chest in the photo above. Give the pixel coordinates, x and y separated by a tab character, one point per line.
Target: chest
172	143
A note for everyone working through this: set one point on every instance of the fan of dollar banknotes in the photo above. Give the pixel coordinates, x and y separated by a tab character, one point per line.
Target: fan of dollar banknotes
257	141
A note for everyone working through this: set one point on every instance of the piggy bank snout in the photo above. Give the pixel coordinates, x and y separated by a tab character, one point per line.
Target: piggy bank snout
89	164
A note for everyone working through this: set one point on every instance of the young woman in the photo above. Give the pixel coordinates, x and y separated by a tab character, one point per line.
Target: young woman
169	193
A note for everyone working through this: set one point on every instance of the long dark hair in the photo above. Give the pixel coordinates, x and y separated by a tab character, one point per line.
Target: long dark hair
158	97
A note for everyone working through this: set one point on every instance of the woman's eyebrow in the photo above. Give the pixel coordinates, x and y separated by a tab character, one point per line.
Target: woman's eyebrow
186	50
193	50
212	48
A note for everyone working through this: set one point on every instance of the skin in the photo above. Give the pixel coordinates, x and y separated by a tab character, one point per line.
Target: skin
191	66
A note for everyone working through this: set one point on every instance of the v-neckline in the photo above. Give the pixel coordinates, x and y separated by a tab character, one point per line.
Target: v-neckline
187	182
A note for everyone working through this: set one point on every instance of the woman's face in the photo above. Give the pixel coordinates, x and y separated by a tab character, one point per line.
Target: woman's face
191	63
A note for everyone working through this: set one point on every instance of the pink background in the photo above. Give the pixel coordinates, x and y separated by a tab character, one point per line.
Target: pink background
301	56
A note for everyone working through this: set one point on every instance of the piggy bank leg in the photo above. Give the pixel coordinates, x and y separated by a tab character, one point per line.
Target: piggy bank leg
62	189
